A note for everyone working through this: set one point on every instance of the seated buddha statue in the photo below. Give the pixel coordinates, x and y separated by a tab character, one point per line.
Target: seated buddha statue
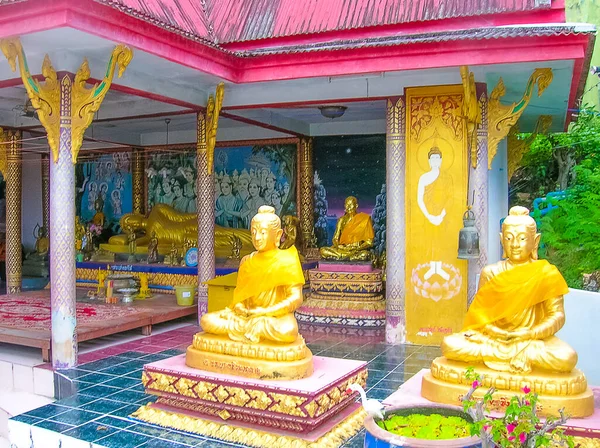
99	217
258	331
509	331
171	227
353	237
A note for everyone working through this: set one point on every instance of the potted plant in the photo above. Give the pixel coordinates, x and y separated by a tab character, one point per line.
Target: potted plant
520	427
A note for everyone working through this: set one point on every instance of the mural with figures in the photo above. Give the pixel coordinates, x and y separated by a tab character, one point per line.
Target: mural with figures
246	177
103	186
352	165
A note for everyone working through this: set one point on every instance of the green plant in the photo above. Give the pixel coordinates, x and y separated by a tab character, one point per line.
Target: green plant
520	427
430	427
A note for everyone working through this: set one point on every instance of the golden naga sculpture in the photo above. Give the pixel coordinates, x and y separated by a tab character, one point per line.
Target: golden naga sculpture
171	227
213	109
257	335
353	237
502	117
509	331
471	110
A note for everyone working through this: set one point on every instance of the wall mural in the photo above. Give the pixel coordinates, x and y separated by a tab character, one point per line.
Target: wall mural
103	185
246	177
345	166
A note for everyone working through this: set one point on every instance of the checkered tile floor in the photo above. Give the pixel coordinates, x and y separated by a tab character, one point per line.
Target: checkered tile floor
106	388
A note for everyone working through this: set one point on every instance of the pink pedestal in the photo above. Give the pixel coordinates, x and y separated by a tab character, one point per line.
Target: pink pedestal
306	408
352	267
410	394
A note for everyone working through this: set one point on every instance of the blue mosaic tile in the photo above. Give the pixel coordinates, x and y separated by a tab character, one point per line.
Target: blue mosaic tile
90	432
139	387
116	422
75	401
75	417
155	357
53	426
379	394
357	441
133	355
103	406
172	352
159	443
95	366
122	382
126	367
95	378
47	411
123	439
153	431
396	376
99	391
389	384
216	444
128	396
136	374
185	439
24	418
72	373
125	411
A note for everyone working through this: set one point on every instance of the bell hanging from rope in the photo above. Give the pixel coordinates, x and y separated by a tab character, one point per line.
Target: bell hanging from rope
468	237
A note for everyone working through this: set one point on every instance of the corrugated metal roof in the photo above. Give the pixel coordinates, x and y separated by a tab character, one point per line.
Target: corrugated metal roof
471	34
227	21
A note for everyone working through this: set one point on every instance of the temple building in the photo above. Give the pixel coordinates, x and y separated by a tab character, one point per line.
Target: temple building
140	138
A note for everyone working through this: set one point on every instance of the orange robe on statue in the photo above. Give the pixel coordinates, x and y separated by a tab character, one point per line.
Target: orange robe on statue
359	228
526	298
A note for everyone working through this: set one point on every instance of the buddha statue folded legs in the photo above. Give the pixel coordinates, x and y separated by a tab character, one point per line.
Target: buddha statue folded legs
353	237
257	335
509	331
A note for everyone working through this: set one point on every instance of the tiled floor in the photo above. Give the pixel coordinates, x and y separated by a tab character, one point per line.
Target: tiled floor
108	387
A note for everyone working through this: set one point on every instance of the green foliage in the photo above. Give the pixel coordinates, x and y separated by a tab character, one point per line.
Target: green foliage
431	427
520	427
571	160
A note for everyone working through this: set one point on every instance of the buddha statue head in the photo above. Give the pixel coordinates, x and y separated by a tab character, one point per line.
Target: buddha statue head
351	205
519	237
435	157
266	229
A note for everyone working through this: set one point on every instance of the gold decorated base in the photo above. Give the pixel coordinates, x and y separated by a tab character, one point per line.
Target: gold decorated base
269	351
257	368
445	383
334	438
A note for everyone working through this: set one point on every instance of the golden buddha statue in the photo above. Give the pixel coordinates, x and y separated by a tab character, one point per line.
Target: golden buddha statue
79	234
257	335
353	237
509	331
99	217
171	227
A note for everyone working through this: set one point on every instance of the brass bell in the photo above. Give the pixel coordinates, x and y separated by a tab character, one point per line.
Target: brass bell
468	237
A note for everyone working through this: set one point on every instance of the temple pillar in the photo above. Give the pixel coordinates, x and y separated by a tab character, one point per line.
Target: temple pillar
205	206
62	239
479	185
305	200
137	179
13	177
46	191
395	221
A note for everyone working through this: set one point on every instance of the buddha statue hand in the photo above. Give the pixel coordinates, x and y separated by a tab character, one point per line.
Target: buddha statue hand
241	310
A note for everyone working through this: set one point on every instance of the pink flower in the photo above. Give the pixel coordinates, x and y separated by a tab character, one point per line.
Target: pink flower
526	389
486	428
522	437
527	402
511	438
475	384
510	428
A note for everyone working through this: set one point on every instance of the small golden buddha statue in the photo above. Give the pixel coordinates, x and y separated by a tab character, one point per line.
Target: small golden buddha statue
291	233
99	217
353	237
79	234
153	249
509	330
257	335
131	243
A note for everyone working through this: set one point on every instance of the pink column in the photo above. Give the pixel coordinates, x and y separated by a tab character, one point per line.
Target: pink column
395	328
62	240
205	206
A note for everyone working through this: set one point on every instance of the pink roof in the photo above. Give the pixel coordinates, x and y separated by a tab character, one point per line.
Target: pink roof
228	21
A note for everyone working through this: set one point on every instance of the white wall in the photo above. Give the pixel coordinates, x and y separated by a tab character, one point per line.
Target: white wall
497	201
582	309
31	205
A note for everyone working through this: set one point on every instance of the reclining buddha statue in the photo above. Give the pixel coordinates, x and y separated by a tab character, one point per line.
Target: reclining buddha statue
172	227
257	334
509	333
